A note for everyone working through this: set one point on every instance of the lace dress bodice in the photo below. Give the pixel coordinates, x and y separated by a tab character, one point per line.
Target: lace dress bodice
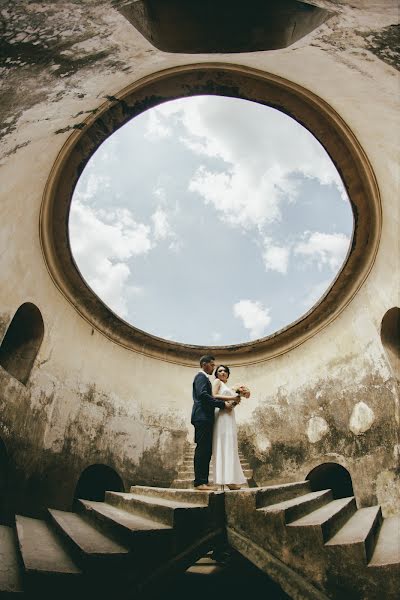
226	464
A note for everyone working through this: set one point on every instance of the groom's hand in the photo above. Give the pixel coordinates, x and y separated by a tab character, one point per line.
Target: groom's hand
229	405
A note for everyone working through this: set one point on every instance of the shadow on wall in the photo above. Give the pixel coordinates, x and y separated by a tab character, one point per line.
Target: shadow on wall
95	481
331	476
390	336
22	341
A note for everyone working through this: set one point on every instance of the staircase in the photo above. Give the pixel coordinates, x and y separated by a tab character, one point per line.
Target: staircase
185	477
129	543
316	547
313	546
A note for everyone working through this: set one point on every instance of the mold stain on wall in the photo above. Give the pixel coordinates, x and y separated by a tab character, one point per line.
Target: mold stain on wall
62	431
289	434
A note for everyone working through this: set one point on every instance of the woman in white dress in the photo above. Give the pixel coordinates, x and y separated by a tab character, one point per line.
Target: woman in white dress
225	457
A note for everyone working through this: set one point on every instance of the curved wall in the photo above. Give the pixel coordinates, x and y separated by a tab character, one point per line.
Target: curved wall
90	400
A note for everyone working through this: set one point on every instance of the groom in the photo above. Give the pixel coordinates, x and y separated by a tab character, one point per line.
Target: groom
203	421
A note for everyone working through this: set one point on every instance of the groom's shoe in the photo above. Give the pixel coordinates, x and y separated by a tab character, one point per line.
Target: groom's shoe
205	487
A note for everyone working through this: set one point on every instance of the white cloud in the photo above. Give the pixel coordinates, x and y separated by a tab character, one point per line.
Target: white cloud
326	249
90	184
315	293
159	192
254	315
161	227
238	200
276	258
102	243
216	337
157	128
260	162
162	230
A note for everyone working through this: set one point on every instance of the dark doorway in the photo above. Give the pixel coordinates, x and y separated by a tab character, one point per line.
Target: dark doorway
331	476
3	483
95	481
22	342
390	336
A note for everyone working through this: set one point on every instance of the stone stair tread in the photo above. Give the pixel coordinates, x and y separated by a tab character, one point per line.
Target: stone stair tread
357	528
10	568
190	482
186	496
322	514
41	549
280	506
387	549
151	500
85	536
130	521
185	480
190	475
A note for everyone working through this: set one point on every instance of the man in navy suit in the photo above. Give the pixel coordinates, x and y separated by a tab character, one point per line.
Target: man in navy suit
204	405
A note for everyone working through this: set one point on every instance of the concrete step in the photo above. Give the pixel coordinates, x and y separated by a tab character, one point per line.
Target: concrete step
129	529
189	474
387	549
358	534
188	496
186	473
325	521
245	465
92	546
10	564
187	483
279	493
295	508
182	484
188	463
162	510
45	559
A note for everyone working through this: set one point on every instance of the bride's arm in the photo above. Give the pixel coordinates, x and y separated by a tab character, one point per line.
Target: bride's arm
216	385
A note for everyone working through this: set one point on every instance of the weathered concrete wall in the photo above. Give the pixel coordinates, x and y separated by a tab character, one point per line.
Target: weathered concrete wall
89	400
335	400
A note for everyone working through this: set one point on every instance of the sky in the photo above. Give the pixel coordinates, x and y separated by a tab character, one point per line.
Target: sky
210	220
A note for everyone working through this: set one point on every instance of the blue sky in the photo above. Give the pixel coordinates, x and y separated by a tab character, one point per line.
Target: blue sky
210	220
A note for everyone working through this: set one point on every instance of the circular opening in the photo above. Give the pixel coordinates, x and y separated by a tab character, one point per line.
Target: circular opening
230	81
211	206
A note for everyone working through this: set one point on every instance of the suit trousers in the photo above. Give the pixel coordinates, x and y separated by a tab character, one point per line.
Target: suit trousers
203	434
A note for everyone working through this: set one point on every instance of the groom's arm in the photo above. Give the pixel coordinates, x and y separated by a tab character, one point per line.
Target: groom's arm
202	393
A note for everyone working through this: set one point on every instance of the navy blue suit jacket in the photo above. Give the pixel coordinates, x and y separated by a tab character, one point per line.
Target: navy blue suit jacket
203	401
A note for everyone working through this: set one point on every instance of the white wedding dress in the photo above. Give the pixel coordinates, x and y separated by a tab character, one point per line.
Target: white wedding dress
225	457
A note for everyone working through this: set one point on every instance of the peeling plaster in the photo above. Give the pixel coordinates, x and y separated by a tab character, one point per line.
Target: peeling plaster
361	418
316	429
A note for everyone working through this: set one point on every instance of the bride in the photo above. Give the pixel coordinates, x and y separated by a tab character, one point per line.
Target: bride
226	464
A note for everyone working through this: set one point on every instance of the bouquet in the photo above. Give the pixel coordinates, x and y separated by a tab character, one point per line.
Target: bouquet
242	391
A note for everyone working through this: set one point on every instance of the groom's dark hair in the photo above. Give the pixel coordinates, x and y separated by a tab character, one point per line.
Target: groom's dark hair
207	358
